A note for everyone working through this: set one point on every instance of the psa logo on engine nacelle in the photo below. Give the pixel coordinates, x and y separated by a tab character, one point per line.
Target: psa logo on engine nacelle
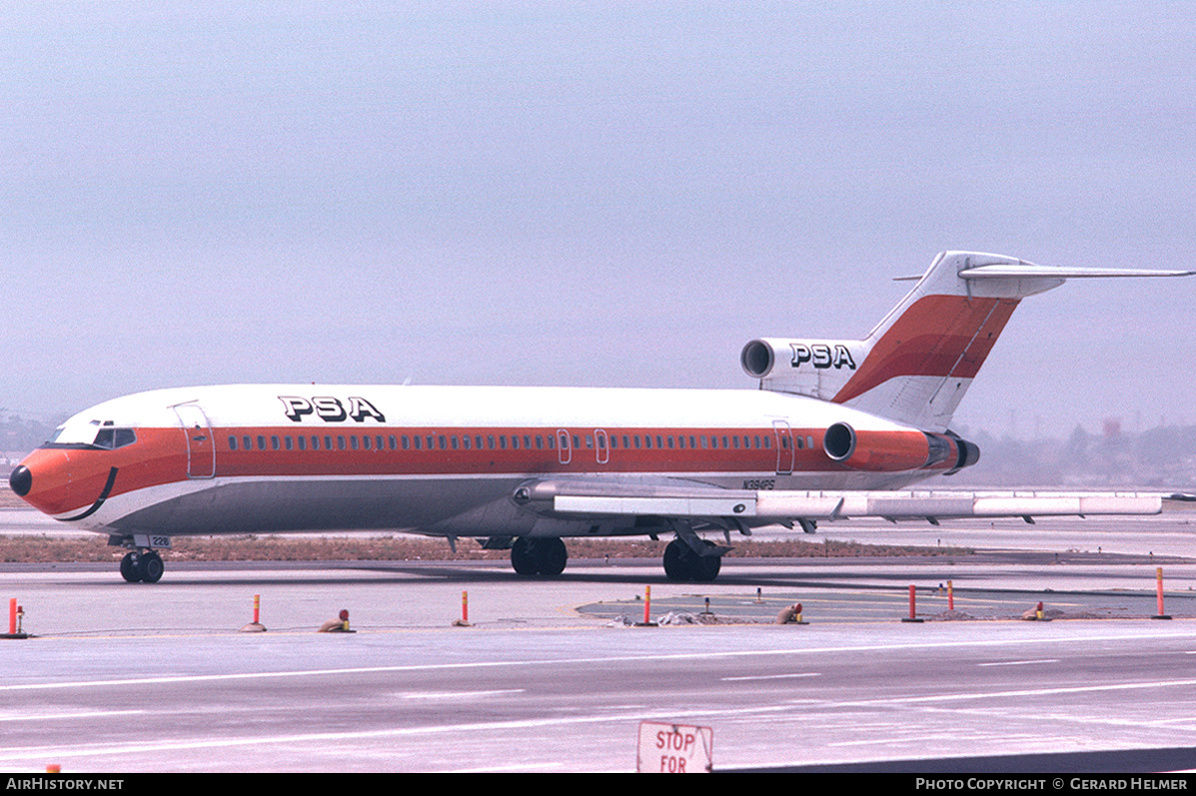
822	355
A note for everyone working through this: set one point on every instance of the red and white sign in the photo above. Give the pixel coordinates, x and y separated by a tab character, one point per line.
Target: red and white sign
674	749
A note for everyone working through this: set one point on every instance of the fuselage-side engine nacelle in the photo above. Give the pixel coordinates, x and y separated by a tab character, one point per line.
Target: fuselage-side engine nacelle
885	451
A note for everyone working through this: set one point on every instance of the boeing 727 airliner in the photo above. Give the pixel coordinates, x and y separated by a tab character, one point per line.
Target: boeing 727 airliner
836	429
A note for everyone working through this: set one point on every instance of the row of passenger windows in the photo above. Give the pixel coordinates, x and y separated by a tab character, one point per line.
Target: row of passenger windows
562	439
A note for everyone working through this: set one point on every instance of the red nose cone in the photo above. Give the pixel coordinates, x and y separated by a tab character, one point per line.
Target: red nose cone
44	481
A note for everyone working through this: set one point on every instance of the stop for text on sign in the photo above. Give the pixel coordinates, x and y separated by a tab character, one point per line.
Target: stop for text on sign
674	749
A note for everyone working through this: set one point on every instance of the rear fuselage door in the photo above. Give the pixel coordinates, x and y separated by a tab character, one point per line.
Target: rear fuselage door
784	438
564	451
201	447
601	441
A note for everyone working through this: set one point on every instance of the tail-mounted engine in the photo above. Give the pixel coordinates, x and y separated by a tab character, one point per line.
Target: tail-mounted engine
817	368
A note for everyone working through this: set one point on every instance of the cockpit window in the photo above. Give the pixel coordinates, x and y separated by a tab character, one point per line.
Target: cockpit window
113	438
89	436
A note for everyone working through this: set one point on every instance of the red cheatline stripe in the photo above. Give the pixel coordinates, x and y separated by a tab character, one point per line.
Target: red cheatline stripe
160	456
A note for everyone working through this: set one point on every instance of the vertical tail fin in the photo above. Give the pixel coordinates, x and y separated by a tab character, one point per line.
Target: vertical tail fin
919	361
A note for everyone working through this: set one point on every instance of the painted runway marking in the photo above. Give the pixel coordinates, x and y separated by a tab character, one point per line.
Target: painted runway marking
1020	663
147	746
1029	692
458	694
143	746
770	677
647	658
98	714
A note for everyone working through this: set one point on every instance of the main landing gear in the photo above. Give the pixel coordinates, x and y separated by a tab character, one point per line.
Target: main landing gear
142	566
691	560
683	563
538	556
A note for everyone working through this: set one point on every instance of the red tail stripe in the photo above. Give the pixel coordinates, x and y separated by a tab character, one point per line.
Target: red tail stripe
937	336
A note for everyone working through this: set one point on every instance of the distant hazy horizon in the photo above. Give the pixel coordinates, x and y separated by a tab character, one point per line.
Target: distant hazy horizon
611	195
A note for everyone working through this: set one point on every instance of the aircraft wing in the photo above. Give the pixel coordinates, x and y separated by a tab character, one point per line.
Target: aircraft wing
783	506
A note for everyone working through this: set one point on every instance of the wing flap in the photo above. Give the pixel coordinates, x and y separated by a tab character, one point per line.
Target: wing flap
781	505
1062	505
944	505
683	506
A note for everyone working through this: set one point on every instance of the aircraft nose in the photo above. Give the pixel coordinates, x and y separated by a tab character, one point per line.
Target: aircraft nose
21	480
44	480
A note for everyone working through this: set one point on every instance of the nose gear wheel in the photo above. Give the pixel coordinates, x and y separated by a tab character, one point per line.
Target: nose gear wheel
142	567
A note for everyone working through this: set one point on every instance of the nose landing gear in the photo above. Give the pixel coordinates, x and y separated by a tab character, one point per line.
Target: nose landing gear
142	566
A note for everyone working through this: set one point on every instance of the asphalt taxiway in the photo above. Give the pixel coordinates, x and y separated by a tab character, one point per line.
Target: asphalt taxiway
550	675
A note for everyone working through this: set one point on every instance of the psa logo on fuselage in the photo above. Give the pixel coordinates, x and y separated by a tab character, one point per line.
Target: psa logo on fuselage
330	409
822	355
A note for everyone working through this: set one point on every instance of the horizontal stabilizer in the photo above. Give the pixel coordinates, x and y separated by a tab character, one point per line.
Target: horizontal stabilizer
1024	270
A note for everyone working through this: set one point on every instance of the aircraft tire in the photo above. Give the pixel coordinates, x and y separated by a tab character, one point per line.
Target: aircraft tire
675	568
552	556
523	558
705	569
152	567
130	567
539	557
684	565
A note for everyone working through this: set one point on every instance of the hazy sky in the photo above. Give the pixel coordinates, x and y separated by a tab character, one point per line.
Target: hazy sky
617	194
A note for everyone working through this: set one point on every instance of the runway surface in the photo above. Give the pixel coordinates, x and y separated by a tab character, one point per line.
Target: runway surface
135	677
